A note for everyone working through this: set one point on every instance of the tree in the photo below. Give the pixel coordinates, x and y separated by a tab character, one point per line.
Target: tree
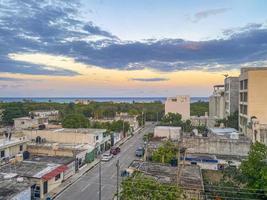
172	119
75	121
199	108
230	121
12	112
145	188
165	153
254	169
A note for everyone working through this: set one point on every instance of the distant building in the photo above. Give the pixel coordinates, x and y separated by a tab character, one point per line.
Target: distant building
11	148
82	101
1	115
231	95
29	122
52	115
132	119
252	99
169	132
178	104
216	103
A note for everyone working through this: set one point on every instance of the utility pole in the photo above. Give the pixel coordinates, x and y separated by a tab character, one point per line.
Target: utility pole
100	180
118	171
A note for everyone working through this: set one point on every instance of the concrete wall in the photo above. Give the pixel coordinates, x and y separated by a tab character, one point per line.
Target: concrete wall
179	104
172	133
217	146
26	194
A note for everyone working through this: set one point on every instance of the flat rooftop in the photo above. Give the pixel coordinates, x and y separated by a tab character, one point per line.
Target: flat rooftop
81	130
13	141
63	160
167	128
191	177
11	187
162	172
29	168
223	130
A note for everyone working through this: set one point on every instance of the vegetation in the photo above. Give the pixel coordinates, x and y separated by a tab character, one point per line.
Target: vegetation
199	108
75	121
144	188
231	121
249	181
165	153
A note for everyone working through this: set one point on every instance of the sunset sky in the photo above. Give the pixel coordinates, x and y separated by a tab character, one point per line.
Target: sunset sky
114	48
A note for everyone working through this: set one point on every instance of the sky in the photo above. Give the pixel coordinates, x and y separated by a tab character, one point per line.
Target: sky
118	48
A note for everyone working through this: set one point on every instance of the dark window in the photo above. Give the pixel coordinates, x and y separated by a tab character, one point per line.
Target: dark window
57	177
20	147
246	84
96	137
2	153
45	187
241	85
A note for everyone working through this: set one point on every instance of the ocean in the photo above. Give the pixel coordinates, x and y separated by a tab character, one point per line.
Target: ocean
98	99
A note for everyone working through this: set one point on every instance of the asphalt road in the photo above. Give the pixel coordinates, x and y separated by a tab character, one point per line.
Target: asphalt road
87	187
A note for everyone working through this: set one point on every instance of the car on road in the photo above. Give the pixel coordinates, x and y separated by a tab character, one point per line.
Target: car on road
115	150
139	152
106	157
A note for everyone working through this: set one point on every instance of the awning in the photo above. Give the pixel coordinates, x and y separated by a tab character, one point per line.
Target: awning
54	172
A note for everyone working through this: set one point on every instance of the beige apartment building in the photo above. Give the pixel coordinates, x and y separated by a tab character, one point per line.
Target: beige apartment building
252	100
179	104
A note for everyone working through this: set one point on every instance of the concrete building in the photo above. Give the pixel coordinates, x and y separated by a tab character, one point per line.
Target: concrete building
169	132
11	148
1	115
231	95
13	187
217	103
94	137
132	119
178	104
52	115
45	177
257	131
252	99
29	122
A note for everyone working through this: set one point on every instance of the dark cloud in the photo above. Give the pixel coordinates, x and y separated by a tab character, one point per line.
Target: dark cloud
149	79
57	29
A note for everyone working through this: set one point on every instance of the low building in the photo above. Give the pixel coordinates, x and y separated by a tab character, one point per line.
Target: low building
82	153
163	173
94	137
82	101
224	132
29	122
169	132
178	104
131	119
13	187
45	177
199	120
62	160
257	131
52	115
11	148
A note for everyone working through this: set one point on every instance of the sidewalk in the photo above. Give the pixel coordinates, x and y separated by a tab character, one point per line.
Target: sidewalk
64	185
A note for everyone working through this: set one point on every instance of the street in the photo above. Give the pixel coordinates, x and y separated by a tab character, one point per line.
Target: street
87	187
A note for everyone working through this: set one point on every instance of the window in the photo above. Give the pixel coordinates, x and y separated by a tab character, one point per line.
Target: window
246	84
245	97
96	137
22	122
45	187
241	85
3	154
57	177
20	147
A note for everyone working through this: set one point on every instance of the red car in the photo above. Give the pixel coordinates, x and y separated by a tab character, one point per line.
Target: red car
115	150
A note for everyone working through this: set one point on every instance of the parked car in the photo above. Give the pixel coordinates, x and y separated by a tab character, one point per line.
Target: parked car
115	150
139	152
106	157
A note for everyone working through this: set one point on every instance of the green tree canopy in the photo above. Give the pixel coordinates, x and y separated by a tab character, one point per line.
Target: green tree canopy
165	153
75	121
145	188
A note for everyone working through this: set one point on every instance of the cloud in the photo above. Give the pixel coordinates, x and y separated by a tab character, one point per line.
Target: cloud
31	30
149	79
207	13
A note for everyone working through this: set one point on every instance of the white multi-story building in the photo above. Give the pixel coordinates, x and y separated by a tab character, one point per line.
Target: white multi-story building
217	103
178	104
231	93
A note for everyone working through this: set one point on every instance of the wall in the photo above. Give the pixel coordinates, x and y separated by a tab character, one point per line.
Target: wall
26	194
168	132
217	146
